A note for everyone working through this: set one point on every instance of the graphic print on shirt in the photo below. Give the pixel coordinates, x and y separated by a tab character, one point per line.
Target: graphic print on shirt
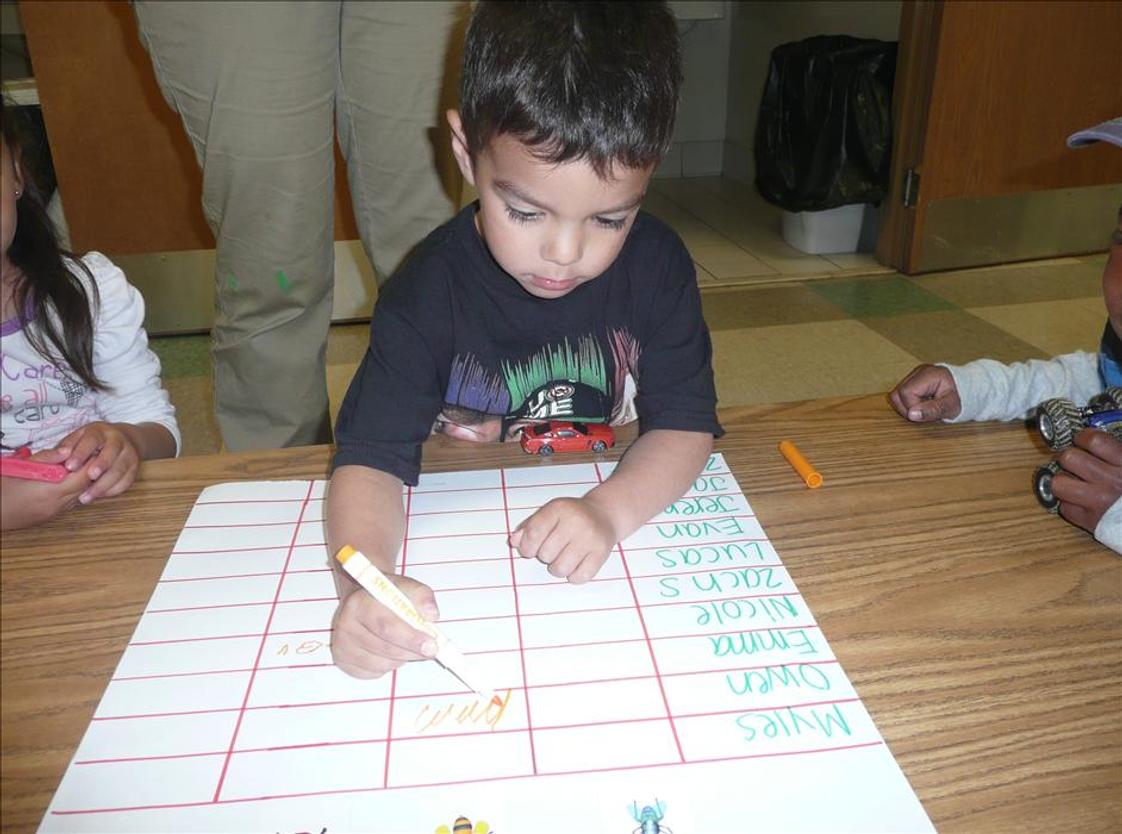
38	398
557	382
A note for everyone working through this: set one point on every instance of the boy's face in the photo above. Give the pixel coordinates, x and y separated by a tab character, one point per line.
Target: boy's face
1112	281
550	227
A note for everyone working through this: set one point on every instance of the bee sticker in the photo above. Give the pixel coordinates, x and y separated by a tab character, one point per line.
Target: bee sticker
463	825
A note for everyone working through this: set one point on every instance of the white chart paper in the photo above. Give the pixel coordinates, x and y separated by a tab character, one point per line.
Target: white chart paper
687	687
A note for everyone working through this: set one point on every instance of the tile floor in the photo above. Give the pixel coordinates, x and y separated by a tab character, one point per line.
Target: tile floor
785	325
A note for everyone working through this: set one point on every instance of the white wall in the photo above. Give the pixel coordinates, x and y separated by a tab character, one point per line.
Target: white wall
756	27
699	132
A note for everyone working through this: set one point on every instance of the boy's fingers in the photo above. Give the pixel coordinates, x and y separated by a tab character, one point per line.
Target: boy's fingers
1080	516
1091	468
588	568
420	595
535	531
1101	444
925	411
357	662
565	561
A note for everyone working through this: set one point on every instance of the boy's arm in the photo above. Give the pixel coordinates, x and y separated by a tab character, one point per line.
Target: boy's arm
574	537
365	510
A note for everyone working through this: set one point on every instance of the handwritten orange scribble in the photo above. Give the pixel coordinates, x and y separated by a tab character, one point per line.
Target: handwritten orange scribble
462	711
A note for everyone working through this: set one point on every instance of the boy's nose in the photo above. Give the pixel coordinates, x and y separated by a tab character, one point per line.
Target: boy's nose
564	247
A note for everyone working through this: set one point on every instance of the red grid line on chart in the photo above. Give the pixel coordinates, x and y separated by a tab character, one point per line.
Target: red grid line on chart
421	786
594	580
651	523
396	698
737	598
647	640
342	701
261	645
393	678
574	725
518	622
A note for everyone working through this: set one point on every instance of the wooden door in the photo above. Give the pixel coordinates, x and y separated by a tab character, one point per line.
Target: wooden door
986	95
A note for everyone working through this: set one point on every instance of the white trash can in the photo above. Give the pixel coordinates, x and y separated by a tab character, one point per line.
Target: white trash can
831	231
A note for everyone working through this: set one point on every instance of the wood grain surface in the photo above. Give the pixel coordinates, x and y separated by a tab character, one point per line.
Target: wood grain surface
984	636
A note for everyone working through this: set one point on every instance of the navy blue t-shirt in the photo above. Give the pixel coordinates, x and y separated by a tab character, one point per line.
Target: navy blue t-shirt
458	346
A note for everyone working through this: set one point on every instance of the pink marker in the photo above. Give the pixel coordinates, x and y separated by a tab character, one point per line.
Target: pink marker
17	465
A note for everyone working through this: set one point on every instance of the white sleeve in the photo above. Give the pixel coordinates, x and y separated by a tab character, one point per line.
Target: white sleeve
1109	529
990	390
122	359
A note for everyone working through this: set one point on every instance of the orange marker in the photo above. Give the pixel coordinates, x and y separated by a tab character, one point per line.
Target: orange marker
794	457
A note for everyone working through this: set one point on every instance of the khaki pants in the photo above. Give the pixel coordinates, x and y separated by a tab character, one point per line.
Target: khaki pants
262	89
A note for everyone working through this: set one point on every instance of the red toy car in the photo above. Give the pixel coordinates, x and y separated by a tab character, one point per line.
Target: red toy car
563	436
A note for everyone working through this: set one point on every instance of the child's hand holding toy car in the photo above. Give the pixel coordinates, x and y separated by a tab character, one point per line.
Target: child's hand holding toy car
1085	479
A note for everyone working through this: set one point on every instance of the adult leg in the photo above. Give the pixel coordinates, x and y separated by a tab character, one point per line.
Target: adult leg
254	83
392	65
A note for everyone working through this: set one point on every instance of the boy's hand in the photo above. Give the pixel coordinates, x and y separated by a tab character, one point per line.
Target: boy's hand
572	536
109	455
927	393
369	640
1092	478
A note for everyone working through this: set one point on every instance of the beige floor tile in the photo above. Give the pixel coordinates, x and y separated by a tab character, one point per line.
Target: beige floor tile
727	260
1053	326
705	278
338	381
796	362
193	398
858	263
347	342
1021	283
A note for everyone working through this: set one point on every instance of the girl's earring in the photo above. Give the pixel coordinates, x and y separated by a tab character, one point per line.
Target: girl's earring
18	192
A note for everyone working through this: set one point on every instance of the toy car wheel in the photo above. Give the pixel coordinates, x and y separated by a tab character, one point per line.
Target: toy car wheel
1059	421
1042	486
599	446
546	450
1112	397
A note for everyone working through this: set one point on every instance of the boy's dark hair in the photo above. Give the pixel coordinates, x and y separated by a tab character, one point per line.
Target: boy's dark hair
47	281
591	81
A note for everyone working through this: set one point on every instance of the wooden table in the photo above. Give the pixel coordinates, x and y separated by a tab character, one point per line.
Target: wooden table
984	635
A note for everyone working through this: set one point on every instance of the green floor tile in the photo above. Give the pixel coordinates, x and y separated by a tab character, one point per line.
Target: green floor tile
879	297
766	306
952	336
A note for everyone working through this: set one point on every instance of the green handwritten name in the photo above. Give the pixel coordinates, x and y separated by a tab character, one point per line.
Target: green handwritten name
756	642
790	722
770	678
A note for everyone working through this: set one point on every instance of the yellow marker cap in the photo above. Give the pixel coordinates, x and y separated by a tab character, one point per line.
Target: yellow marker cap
808	473
345	553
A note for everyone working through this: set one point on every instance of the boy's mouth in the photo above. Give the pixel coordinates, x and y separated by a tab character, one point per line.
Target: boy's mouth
552	285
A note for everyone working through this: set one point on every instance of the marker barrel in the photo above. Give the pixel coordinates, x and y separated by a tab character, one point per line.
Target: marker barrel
808	473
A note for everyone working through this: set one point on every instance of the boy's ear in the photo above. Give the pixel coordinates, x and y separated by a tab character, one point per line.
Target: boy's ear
459	146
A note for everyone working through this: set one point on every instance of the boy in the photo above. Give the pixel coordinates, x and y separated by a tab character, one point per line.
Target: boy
553	296
1090	487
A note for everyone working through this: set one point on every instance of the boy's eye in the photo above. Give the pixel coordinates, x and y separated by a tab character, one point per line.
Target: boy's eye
612	223
521	216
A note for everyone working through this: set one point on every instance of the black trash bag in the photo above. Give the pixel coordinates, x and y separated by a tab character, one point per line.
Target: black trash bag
824	136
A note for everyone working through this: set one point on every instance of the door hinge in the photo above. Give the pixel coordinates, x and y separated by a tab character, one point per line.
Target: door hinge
911	188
